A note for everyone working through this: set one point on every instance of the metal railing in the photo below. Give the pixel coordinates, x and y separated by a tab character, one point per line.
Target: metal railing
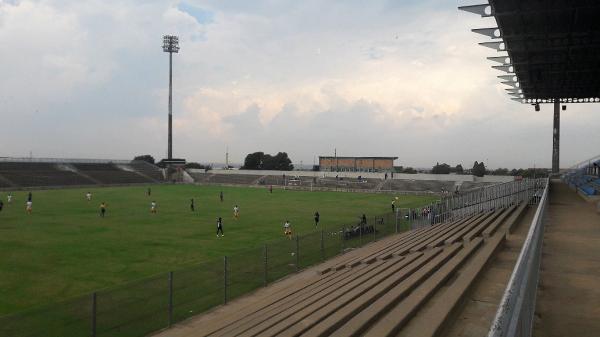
515	314
462	205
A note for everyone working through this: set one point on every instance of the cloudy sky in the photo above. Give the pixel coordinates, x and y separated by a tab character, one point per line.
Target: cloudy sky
88	79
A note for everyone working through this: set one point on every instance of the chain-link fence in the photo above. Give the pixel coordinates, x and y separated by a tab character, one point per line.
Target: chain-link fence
462	205
140	307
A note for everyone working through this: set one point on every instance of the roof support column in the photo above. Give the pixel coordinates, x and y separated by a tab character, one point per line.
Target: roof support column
556	137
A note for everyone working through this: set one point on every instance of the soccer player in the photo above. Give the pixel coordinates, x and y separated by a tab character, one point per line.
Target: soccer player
102	209
271	189
29	197
192	204
153	207
29	207
220	227
9	198
221	196
393	205
1	205
149	192
317	216
236	212
88	196
287	229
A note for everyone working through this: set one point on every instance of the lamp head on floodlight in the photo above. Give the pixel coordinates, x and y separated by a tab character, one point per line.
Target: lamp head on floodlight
170	44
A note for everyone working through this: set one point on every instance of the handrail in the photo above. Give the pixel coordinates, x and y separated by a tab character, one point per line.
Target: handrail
585	162
515	312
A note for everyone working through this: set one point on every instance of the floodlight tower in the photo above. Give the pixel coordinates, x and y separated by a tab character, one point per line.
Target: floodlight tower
170	45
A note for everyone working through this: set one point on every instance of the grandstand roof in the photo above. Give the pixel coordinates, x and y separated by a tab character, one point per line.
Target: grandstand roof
553	48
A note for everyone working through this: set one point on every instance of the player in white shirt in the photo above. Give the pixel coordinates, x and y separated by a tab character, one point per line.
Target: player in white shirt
236	212
153	207
9	198
88	196
287	229
29	207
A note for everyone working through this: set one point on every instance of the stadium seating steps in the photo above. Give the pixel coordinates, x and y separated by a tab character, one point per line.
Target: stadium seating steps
408	284
34	174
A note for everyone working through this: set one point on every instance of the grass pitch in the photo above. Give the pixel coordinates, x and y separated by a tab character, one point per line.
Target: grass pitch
65	249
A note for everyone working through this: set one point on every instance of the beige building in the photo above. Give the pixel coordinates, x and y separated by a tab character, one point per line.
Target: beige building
357	164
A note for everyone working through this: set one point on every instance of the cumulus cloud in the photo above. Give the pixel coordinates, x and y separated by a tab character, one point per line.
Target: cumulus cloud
89	79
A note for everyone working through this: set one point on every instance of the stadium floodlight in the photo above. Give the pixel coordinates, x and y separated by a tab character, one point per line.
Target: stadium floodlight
170	45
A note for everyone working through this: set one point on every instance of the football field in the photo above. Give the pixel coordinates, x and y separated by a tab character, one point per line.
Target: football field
64	248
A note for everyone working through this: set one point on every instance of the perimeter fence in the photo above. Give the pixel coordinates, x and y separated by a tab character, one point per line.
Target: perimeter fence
454	206
141	307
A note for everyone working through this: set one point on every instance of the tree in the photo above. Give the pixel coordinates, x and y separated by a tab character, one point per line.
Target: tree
409	170
478	169
262	161
253	161
146	157
459	169
441	169
282	162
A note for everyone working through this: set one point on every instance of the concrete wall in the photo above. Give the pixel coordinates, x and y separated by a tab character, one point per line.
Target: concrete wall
401	176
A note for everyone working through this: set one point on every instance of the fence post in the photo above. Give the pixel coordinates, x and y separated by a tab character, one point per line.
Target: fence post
360	231
224	279
375	228
297	252
343	233
266	266
94	305
170	298
322	245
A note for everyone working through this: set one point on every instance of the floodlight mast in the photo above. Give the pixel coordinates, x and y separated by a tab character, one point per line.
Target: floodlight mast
170	45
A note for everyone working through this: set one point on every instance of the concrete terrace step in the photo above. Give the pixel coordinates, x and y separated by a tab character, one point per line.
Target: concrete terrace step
347	259
282	303
396	318
496	224
457	236
363	320
299	321
478	230
431	321
273	323
442	237
325	320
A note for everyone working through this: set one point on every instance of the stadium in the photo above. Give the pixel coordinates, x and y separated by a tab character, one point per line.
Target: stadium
353	246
